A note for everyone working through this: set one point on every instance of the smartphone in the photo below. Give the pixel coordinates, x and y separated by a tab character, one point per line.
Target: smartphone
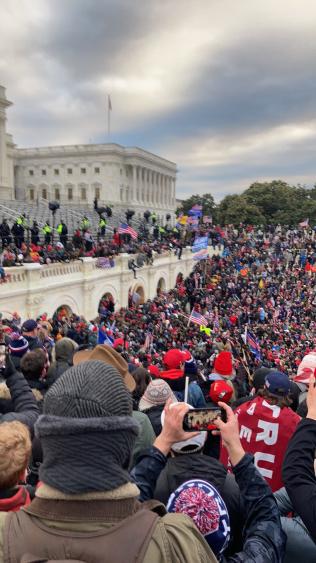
202	419
2	356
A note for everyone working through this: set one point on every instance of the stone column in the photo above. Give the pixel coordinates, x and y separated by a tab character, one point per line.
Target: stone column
134	184
173	191
5	188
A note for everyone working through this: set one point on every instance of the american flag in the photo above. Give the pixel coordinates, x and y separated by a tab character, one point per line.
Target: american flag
253	344
197	318
125	229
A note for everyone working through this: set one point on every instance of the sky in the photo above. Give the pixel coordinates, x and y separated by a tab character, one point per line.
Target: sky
224	88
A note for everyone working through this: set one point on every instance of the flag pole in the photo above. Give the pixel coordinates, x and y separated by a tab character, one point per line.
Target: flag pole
109	118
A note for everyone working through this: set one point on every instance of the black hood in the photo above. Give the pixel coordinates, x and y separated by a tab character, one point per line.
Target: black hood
189	466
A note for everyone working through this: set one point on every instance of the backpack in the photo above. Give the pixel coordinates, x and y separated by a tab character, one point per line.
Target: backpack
27	539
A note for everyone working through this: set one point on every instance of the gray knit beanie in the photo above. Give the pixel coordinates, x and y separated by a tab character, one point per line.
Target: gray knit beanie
87	430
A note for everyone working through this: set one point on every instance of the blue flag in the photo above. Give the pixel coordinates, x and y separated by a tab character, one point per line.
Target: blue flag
103	338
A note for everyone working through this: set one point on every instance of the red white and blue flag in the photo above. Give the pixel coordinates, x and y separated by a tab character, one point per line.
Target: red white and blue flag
197	318
125	229
253	344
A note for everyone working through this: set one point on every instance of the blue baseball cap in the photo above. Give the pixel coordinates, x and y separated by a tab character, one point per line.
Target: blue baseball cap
277	383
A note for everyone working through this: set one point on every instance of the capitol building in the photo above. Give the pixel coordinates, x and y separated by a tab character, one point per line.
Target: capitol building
125	177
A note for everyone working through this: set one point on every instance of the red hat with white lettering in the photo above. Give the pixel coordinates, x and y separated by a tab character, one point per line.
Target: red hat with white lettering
221	391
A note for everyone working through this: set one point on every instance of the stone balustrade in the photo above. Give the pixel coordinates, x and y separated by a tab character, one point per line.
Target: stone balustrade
33	289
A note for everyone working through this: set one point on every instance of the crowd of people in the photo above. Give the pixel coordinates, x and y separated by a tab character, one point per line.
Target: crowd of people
31	243
95	464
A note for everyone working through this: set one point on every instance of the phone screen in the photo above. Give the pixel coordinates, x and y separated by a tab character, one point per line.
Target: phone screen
202	419
2	355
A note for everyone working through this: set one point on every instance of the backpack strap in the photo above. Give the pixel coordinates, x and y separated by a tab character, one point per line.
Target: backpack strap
27	539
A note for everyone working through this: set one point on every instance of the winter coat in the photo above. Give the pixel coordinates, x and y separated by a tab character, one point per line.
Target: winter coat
23	401
146	436
64	351
298	539
263	539
33	342
199	466
299	473
176	379
174	537
154	415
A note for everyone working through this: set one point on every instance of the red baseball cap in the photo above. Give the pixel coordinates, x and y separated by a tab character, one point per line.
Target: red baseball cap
154	370
221	391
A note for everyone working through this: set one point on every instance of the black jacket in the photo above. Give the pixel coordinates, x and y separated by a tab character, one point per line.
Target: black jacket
24	404
263	539
154	415
184	467
33	342
299	473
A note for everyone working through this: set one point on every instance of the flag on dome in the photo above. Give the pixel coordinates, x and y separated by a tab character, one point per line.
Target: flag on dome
125	229
197	318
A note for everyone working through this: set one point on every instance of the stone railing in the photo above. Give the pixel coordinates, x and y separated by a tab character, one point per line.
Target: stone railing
32	289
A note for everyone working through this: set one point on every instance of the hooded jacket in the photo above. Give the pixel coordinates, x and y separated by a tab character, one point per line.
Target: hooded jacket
64	351
176	379
187	466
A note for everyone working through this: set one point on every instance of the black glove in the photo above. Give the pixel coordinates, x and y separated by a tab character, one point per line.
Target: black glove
9	367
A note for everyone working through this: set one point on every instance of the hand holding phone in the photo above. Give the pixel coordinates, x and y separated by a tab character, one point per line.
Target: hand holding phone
203	419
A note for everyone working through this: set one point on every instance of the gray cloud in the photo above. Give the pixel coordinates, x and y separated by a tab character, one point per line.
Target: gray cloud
225	89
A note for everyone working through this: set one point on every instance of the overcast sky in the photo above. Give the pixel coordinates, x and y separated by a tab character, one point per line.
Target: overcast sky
224	88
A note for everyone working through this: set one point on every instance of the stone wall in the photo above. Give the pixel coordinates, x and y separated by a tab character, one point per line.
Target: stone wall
33	289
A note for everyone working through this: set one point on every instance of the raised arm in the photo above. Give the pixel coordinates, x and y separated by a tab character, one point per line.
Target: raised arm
23	400
263	537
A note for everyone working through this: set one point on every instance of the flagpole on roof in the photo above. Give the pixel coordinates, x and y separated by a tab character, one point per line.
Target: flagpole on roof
109	115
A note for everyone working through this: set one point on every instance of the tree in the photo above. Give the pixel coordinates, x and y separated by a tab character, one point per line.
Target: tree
206	200
235	209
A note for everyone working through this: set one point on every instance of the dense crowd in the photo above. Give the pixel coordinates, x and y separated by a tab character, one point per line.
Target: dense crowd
92	441
30	243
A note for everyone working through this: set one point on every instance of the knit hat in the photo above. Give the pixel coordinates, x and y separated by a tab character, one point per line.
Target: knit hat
173	358
221	391
190	367
18	345
157	393
108	355
223	364
87	430
120	342
29	325
277	384
203	504
306	368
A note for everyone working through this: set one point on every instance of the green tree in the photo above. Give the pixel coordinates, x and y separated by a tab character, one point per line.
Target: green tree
206	200
235	209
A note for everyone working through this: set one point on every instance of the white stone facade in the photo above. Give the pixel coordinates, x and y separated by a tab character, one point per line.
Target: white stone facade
75	175
33	289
